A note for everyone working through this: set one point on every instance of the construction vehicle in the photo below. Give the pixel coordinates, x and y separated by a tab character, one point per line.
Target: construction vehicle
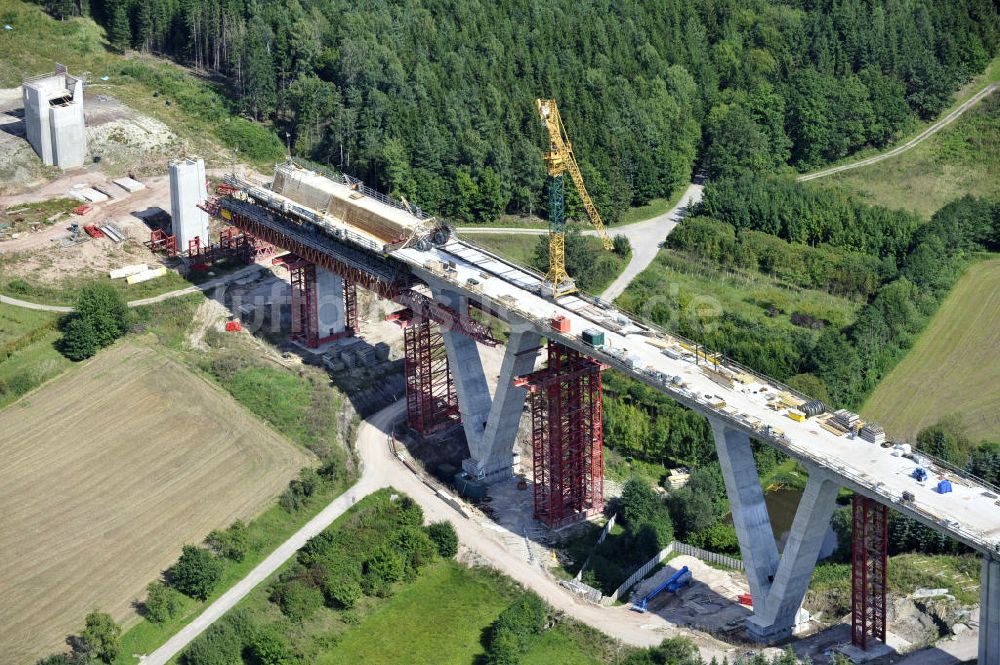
558	160
674	583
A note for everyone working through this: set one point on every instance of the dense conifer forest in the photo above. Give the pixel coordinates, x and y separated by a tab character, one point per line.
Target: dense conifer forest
432	99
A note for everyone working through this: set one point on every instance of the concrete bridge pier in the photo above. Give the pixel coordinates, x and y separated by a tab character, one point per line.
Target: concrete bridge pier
989	611
494	461
777	585
330	310
490	423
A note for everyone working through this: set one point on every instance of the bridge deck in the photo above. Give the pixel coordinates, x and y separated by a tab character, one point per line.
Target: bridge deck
970	513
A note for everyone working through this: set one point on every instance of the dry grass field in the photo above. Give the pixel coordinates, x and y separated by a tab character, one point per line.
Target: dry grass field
953	368
105	474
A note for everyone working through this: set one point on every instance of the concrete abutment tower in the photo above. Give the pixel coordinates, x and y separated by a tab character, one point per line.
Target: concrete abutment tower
53	118
188	189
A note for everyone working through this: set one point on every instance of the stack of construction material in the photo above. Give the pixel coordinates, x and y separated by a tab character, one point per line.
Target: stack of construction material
125	271
87	194
113	231
872	433
146	275
844	419
129	185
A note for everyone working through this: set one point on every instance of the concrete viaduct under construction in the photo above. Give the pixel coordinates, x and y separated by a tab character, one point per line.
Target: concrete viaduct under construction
343	235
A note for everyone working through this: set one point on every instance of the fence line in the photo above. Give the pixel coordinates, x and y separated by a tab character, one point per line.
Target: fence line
643	570
607	529
705	555
600	539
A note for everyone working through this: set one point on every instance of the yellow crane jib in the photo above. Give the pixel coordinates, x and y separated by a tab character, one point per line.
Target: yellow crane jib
559	160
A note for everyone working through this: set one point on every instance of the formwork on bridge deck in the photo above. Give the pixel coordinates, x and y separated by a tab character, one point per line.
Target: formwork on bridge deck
431	402
567	436
869	567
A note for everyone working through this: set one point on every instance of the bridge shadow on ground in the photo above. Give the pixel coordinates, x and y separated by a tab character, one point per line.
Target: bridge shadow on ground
366	369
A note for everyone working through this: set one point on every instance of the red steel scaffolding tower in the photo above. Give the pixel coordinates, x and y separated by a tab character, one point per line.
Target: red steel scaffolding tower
431	402
869	566
567	436
305	322
305	307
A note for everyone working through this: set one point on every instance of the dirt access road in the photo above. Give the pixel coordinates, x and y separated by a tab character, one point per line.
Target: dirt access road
382	469
646	238
912	143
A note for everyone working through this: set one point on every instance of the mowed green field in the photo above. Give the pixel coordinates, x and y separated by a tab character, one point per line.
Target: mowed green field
953	367
439	619
107	472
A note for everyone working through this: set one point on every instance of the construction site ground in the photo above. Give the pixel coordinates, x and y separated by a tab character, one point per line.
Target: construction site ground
123	139
42	257
108	472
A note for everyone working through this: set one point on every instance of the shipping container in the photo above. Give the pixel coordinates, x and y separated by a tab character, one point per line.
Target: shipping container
592	337
560	324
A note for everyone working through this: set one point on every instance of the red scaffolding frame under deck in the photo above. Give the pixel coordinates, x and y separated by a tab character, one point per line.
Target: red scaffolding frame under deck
352	322
869	568
431	402
305	305
567	436
305	323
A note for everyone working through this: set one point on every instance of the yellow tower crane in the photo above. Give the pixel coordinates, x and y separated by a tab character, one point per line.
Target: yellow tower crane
558	160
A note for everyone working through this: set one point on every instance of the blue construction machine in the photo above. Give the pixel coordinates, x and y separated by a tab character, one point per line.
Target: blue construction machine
675	583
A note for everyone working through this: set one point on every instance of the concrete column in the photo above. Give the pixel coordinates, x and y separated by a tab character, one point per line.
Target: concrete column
330	314
467	371
69	141
36	122
187	190
750	516
989	612
496	453
777	618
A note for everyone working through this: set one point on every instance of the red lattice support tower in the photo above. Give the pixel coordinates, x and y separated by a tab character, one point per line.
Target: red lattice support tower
431	402
567	436
305	324
352	322
869	566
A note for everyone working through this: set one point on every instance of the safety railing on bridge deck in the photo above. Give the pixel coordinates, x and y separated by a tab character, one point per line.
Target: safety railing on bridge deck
729	363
